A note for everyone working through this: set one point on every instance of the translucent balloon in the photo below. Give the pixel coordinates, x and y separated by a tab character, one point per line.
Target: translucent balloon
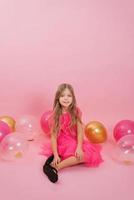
124	150
122	128
4	130
46	121
13	146
96	132
29	126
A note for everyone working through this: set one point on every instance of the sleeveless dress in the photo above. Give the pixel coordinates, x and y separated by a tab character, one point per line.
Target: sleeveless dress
67	143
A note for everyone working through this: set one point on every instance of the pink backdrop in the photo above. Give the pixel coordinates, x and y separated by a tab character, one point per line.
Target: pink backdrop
89	44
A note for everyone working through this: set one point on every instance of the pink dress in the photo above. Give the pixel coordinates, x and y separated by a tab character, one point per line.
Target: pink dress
67	143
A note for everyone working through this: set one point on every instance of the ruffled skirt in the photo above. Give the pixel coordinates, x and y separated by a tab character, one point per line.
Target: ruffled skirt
66	145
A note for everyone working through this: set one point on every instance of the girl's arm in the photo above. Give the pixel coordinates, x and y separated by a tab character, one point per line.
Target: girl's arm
80	131
79	150
57	159
54	143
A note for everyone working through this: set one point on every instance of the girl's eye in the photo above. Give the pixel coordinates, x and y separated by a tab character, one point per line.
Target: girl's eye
66	95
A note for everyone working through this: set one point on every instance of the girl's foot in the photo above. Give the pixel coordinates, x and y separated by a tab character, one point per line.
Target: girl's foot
51	173
49	160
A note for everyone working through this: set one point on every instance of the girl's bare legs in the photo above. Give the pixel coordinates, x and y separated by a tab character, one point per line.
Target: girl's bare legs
68	162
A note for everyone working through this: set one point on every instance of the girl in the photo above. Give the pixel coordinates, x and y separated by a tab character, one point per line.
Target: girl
67	145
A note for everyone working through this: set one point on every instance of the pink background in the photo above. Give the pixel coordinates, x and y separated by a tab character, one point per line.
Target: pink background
89	44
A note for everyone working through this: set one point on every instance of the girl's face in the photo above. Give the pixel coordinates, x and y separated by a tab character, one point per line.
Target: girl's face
66	98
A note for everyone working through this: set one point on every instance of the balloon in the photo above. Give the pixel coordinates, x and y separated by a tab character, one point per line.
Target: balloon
124	151
4	130
9	121
28	125
122	128
13	146
46	121
96	132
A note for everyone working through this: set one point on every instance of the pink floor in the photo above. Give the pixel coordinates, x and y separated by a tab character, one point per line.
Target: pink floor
24	179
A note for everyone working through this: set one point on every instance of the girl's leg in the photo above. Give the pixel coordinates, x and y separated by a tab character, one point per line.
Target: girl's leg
69	162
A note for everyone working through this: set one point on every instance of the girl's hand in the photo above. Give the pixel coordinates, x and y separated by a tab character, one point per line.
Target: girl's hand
56	160
79	153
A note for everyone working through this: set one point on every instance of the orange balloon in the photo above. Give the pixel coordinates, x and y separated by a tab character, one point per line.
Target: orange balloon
9	121
96	132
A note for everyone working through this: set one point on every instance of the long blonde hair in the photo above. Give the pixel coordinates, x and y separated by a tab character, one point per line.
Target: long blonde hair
58	109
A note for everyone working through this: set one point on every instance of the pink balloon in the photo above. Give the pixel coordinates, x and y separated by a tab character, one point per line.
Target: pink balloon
13	146
124	127
29	126
4	130
46	121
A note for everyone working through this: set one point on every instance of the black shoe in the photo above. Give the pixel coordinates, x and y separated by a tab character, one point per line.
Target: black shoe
51	173
49	160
